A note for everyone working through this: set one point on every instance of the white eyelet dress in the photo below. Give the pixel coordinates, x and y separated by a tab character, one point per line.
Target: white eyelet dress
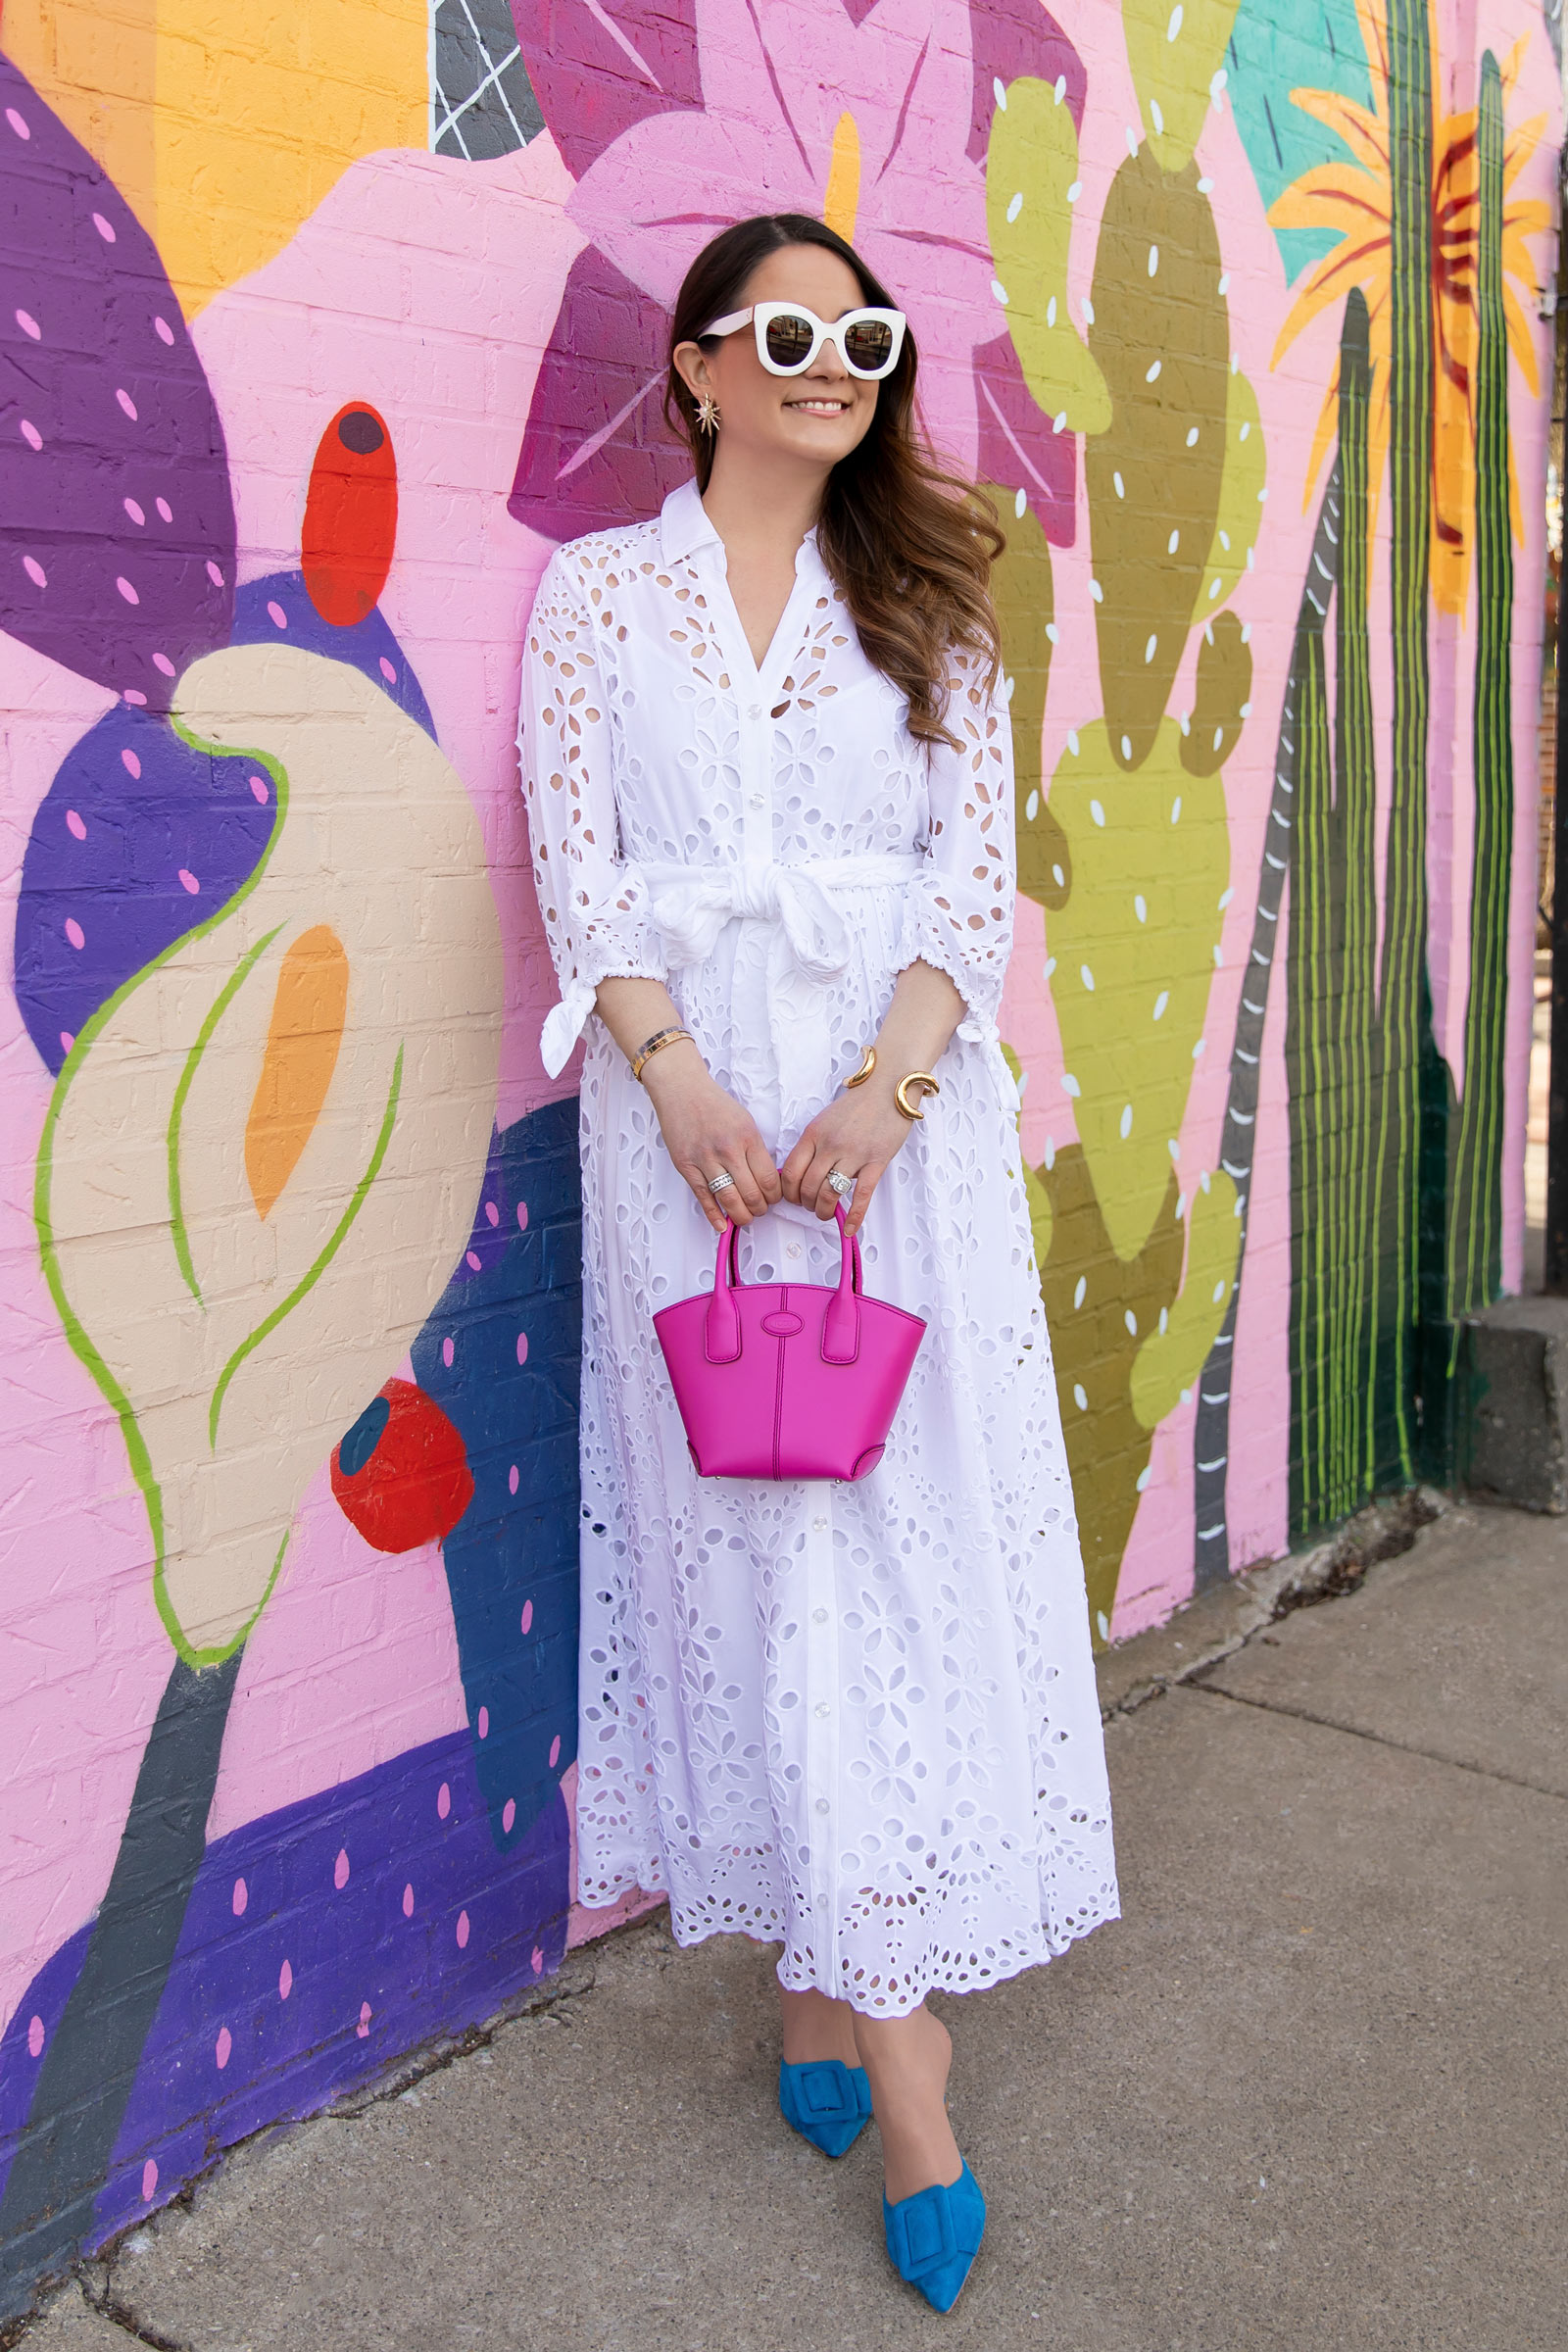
859	1719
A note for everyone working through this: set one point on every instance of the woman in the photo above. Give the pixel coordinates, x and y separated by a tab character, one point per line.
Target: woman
770	780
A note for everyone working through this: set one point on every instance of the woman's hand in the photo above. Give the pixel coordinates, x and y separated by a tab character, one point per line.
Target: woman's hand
706	1133
858	1134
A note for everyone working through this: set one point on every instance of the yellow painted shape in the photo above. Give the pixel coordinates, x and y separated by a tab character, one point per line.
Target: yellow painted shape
1131	988
94	64
1031	164
1240	518
1175	48
841	204
1170	1360
259	117
302	1047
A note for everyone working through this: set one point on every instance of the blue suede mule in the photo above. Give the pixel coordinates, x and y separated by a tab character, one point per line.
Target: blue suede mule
826	2102
933	2237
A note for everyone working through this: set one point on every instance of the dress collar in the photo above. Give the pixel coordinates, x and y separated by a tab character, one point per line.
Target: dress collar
684	527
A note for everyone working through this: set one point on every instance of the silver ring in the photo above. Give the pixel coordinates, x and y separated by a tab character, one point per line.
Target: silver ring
719	1184
838	1182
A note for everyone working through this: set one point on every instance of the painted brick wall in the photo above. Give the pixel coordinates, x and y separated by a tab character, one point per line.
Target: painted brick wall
318	328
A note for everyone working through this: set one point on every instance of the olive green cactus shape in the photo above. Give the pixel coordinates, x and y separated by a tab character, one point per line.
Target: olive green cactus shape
1175	49
1031	187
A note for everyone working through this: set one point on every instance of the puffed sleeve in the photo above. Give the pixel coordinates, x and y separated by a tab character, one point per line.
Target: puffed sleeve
958	908
593	899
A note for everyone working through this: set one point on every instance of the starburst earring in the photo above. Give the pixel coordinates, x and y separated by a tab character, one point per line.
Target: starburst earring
707	413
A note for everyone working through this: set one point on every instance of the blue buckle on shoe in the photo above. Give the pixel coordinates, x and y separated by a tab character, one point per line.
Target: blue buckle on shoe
920	2233
826	2092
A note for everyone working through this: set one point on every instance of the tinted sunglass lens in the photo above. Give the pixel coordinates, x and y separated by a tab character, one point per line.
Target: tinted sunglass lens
868	343
789	340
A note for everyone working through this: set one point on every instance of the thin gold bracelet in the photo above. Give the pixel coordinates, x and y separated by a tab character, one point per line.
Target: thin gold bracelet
656	1045
928	1086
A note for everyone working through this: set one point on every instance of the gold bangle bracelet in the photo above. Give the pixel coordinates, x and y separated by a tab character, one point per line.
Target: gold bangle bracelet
656	1045
920	1078
868	1065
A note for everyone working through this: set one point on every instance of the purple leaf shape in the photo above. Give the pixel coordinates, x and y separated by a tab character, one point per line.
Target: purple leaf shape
597	451
117	547
599	66
1019	448
1012	37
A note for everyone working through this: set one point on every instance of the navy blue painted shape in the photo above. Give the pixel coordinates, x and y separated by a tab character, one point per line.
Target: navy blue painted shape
361	1440
346	1947
514	1550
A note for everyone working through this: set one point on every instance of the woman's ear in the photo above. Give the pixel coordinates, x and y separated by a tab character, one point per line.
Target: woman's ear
690	362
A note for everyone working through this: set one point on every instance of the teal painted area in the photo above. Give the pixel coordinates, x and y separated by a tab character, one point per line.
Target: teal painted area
1278	46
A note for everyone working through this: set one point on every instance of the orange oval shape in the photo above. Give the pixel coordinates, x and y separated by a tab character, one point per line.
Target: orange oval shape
351	515
302	1048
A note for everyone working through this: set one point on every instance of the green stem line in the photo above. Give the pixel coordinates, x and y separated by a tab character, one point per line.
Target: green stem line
318	1265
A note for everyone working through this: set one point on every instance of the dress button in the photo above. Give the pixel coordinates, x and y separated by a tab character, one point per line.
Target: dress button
820	1616
755	711
821	1526
757	800
821	1804
824	1710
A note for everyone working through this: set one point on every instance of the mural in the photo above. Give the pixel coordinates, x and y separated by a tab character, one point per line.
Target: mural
310	351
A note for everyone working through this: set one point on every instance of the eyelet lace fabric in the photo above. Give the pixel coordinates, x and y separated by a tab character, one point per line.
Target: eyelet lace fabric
857	1720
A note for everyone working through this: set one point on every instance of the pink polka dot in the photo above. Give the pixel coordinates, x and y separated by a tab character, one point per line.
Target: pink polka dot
225	2044
30	324
215	573
240	1897
538	1959
75	825
131	763
188	880
125	402
74	933
35	2038
340	1869
163	330
164	509
484	1723
125	589
492	1214
555	1750
408	1901
472	1260
511	1480
161	662
133	694
388	673
462	1930
447	1352
443	1801
276	616
149	2181
527	1615
366	2015
285	1982
35	571
522	1216
509	1814
259	789
138	514
31	433
67	1040
522	1347
18	123
104	228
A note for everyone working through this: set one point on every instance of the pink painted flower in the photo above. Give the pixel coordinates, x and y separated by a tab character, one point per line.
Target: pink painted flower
680	119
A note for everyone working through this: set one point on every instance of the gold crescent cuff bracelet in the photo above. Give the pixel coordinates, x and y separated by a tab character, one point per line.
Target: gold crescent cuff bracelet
920	1078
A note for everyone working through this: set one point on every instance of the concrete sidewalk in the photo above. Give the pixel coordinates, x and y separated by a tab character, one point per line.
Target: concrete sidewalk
1308	2094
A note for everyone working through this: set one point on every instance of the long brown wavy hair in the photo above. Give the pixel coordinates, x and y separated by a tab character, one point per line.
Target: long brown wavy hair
910	546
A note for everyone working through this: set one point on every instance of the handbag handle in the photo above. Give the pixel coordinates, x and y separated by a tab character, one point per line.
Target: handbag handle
841	1325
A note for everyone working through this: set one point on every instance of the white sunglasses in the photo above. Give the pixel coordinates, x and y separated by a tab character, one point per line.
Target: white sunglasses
789	337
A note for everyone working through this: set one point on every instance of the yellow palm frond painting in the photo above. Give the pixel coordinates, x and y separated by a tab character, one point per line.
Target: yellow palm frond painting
1355	201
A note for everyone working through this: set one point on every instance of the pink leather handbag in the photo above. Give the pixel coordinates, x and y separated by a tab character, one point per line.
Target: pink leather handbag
787	1379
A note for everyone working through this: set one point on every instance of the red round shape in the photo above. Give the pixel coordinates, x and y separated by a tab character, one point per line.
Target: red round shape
416	1483
351	515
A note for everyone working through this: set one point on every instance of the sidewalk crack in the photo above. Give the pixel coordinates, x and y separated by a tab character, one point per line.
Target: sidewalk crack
1355	1731
109	2306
